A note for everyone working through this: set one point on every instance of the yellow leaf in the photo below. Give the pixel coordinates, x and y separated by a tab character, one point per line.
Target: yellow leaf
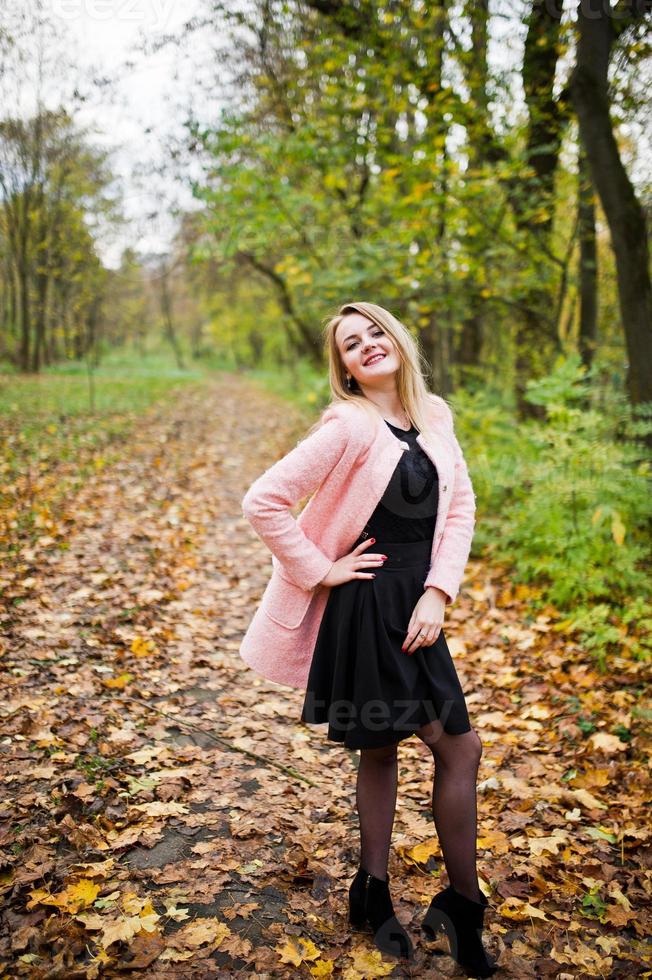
607	743
322	968
617	528
201	931
514	908
148	922
616	893
159	809
102	957
536	711
72	899
539	845
141	647
176	955
591	779
297	951
609	945
134	904
332	181
95	870
172	912
121	930
91	920
119	682
369	963
584	957
588	800
525	591
420	853
420	189
37	897
497	840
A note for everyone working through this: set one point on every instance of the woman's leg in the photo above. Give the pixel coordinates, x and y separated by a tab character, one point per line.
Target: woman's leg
376	803
454	805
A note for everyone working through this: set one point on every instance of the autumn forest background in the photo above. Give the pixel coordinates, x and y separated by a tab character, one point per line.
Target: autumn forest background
480	169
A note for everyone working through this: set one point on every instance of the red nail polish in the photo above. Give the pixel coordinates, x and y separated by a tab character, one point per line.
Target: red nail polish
371	540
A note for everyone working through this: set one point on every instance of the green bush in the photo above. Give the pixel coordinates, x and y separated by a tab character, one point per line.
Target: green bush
565	503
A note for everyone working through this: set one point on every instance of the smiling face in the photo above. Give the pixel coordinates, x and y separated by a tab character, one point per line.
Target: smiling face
367	352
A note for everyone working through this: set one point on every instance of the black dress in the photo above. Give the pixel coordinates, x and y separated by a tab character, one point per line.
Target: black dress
369	691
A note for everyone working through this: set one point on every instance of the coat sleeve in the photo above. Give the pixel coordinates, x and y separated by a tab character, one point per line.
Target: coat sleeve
267	502
452	555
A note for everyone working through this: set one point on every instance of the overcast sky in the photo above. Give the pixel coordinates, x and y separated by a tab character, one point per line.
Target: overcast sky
145	103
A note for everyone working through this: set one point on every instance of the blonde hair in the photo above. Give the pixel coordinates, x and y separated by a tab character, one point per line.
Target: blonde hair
412	390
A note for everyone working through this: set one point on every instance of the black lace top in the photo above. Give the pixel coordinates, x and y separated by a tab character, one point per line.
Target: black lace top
407	510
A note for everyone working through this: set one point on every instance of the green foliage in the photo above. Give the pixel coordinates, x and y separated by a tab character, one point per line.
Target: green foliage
53	185
360	175
566	505
592	905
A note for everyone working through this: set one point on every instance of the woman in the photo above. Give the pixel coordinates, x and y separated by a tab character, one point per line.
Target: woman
360	628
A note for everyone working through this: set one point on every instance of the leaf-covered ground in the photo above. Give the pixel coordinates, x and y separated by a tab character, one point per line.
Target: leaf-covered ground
163	812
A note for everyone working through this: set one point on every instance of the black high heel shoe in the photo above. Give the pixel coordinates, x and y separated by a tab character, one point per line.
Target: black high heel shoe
462	920
370	902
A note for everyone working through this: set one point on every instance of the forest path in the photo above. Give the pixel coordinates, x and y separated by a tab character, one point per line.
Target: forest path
138	834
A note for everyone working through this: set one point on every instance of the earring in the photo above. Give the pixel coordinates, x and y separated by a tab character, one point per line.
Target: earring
348	382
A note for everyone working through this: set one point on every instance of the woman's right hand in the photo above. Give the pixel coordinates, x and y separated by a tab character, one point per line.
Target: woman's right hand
345	569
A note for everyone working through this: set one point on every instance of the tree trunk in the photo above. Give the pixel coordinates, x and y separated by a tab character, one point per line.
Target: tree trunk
545	125
168	322
589	90
588	331
38	349
438	336
536	335
477	77
309	344
25	324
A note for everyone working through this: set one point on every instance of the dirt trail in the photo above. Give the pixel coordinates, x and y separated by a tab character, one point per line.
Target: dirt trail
138	834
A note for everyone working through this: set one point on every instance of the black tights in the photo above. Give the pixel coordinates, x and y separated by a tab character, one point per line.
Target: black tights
454	807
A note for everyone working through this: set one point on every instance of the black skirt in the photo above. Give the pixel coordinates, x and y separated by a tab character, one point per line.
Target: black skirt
361	683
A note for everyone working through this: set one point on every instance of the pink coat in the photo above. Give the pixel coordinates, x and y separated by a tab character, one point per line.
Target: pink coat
348	461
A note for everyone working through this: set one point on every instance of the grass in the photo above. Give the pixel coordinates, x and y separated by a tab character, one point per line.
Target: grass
122	383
